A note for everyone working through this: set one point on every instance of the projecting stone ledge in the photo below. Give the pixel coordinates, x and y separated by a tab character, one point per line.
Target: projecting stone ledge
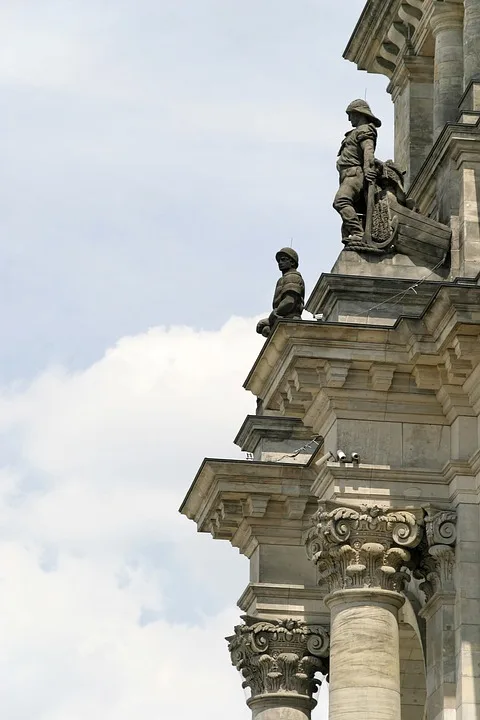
274	438
377	291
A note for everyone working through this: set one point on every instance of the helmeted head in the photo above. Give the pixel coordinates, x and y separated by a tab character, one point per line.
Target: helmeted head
285	253
361	107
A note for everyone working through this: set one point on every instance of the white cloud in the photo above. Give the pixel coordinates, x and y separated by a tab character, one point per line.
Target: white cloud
110	604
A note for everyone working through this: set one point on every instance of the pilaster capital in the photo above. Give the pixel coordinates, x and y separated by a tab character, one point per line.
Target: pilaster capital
279	656
436	553
411	69
446	15
366	547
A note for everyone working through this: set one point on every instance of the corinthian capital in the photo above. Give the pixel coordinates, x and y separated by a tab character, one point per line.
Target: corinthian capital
365	547
278	656
436	554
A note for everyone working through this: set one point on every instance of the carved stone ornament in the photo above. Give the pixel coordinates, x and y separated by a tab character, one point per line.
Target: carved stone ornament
365	547
279	656
288	300
377	217
435	559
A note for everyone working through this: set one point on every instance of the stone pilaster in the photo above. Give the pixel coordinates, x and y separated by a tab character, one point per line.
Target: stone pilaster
278	660
411	88
471	34
360	555
447	27
436	554
436	565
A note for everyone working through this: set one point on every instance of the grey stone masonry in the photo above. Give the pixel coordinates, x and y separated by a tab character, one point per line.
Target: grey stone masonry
447	27
471	36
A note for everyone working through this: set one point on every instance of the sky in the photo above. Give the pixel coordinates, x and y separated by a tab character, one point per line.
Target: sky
155	155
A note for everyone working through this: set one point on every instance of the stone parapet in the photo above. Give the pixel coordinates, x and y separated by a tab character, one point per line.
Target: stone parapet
372	295
276	438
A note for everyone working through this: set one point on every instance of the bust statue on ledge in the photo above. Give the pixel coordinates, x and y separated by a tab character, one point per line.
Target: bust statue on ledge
289	296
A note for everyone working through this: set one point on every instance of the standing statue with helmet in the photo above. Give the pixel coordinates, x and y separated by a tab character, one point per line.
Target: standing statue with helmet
357	171
377	217
289	296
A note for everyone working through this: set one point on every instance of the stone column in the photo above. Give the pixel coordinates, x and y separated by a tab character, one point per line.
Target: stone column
471	35
436	563
447	27
278	660
361	554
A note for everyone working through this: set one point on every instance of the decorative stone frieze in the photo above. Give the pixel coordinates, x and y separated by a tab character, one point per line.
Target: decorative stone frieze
365	547
436	555
279	656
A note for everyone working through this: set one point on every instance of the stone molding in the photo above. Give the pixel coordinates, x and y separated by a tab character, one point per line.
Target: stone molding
251	502
366	547
277	601
413	69
386	32
306	368
436	554
279	656
446	15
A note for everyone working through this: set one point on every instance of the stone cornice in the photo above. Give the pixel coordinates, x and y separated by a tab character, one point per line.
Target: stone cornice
313	370
256	427
247	502
387	31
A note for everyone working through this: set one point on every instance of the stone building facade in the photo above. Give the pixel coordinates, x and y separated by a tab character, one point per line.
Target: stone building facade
359	511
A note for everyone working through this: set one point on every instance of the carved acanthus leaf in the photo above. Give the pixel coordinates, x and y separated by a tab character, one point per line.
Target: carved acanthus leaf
362	547
277	656
435	558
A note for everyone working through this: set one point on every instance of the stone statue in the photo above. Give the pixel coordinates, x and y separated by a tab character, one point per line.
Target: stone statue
377	216
356	168
289	292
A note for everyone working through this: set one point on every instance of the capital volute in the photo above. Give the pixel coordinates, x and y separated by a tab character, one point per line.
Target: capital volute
279	656
366	547
435	561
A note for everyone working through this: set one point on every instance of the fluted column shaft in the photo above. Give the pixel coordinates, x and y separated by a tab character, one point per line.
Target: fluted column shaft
364	655
471	39
447	28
